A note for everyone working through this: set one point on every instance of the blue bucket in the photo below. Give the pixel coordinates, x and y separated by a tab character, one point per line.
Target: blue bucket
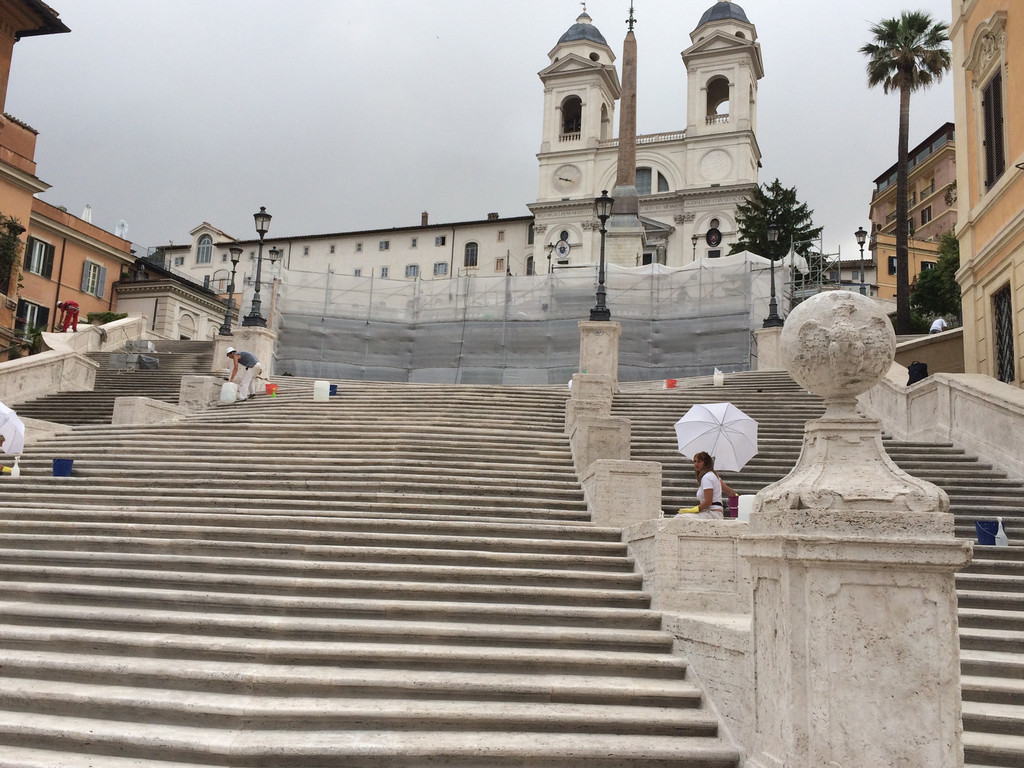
333	390
62	468
986	530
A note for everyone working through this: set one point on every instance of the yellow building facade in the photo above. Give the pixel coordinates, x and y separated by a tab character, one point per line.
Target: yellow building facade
988	63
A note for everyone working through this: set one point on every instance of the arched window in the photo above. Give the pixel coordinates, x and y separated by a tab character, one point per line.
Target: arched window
471	255
643	181
718	97
572	117
204	254
606	123
530	269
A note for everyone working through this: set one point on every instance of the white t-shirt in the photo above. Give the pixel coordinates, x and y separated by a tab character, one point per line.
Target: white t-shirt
710	480
938	325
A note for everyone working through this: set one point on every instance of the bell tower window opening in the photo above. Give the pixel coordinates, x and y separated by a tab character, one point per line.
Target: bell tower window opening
606	123
572	118
718	100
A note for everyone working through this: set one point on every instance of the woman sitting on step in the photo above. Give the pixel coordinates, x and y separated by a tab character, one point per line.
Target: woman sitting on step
710	487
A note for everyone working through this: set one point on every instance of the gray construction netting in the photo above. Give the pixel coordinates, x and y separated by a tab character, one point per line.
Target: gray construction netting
520	329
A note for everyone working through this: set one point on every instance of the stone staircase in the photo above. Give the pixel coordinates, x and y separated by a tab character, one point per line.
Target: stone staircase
990	591
176	358
401	576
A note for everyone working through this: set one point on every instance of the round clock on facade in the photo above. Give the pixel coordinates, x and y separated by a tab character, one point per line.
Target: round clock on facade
567	178
715	165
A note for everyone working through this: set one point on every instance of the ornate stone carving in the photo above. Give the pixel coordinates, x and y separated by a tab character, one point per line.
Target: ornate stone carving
838	345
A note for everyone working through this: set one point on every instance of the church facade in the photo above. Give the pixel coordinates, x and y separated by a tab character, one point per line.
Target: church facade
689	181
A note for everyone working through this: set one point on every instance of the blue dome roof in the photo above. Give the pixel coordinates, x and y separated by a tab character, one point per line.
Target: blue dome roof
583	29
722	11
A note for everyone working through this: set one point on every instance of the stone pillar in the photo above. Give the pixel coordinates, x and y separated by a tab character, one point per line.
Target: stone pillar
769	352
250	338
591	395
856	651
599	349
622	493
599	437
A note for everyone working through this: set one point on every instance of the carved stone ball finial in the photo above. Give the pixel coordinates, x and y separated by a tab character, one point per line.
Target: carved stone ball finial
838	345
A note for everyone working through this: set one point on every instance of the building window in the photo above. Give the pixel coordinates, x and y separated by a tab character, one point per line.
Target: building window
564	235
93	278
31	316
384	245
439	240
223	257
892	265
926	215
413	243
357	272
531	268
331	249
179	261
499	265
471	255
383	271
204	253
501	235
926	265
39	257
529	235
572	117
992	115
305	250
440	268
412	270
359	247
643	181
662	183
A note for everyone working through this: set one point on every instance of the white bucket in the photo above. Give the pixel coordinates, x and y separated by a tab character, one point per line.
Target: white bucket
321	391
228	392
746	506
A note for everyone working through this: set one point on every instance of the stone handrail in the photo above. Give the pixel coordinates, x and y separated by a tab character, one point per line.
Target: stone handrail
64	367
973	411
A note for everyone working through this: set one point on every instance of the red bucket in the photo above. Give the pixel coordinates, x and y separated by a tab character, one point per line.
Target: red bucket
272	390
670	383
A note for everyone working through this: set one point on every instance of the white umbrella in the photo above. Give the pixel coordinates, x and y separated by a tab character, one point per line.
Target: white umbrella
12	429
721	429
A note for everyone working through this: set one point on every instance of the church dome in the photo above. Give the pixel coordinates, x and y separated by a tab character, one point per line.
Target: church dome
723	10
584	29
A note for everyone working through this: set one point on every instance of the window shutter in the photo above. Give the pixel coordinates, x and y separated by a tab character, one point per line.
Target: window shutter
48	251
85	277
101	284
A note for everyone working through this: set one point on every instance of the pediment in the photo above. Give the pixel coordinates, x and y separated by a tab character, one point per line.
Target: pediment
721	43
208	229
571	64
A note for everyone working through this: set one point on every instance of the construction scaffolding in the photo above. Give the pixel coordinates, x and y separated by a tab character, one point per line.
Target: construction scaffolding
519	329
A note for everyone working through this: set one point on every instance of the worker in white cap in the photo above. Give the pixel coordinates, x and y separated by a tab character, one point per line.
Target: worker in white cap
251	369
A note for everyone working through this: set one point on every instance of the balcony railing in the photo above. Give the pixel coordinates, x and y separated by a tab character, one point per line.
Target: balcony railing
569	136
716	119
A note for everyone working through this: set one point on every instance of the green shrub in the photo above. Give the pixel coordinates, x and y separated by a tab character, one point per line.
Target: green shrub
101	318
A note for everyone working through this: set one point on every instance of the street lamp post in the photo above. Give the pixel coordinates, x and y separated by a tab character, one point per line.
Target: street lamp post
236	254
862	237
262	219
694	240
551	250
773	320
604	210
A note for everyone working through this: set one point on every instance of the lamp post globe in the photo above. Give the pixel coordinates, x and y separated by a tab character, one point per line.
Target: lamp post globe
862	237
773	320
603	205
262	219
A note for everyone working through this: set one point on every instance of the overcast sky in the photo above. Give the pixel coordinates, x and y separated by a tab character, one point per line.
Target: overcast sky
340	115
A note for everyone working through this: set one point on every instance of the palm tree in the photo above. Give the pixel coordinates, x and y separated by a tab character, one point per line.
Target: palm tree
907	54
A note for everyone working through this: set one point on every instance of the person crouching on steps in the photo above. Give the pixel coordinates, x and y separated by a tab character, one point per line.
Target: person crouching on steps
710	504
251	369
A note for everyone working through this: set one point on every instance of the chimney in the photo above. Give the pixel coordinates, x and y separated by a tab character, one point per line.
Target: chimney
423	219
492	216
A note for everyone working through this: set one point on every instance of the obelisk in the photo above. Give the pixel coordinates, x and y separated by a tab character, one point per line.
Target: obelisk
625	241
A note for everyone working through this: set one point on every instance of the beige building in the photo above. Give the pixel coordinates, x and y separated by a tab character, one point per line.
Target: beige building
988	56
931	209
690	180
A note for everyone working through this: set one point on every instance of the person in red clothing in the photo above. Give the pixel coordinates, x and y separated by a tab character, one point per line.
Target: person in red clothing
69	316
